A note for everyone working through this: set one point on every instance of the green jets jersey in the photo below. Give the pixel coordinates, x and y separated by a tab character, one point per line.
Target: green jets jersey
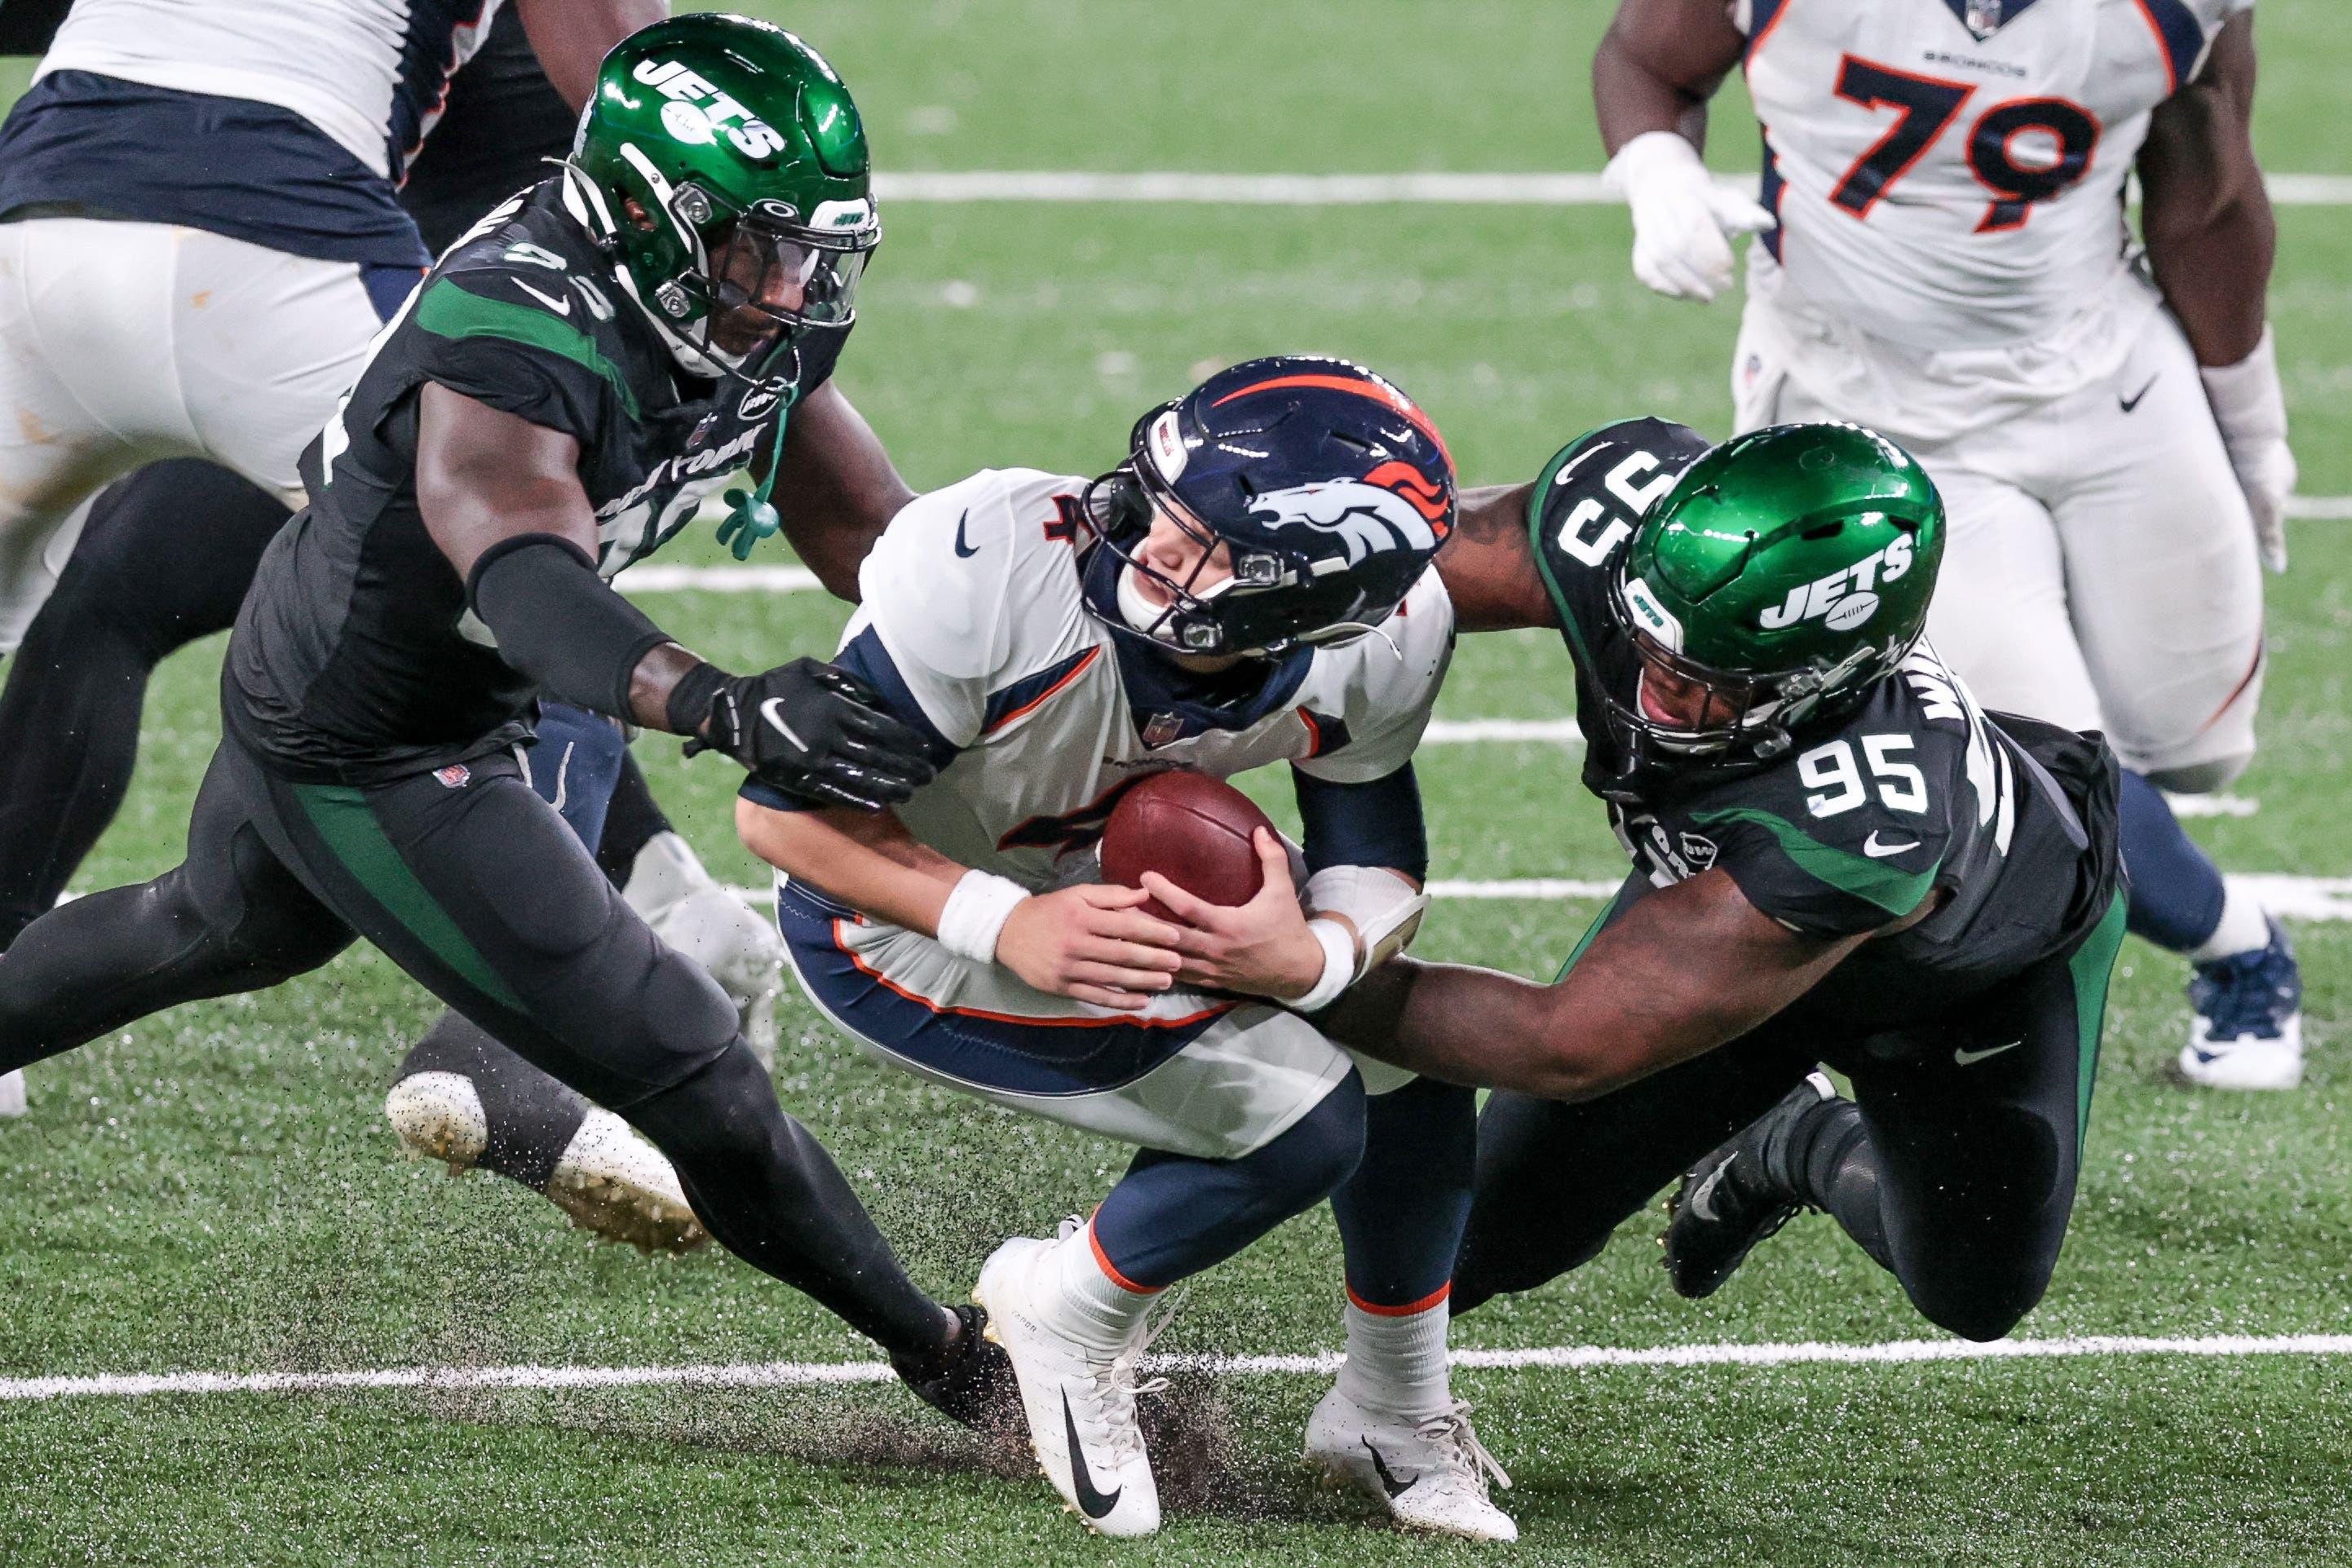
1914	795
355	658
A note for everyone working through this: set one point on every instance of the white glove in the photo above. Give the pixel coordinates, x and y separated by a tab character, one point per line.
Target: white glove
2251	409
1683	221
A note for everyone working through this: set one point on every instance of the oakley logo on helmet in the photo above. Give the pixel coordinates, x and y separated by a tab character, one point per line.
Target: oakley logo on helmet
707	110
1370	518
1843	599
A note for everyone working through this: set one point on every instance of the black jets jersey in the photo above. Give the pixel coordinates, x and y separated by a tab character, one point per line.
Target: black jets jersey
355	658
1915	794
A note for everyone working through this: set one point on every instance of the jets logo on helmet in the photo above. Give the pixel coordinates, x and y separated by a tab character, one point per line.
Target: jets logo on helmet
1844	599
1326	488
697	111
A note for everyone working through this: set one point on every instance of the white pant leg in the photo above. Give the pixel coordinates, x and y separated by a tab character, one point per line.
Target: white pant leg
1248	1072
2163	573
124	342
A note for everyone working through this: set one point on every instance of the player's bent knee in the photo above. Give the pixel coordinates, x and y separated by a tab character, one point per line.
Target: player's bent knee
2200	777
1985	1307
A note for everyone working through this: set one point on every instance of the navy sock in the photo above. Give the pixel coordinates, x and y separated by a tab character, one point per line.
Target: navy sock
1402	1214
1172	1216
2176	894
575	764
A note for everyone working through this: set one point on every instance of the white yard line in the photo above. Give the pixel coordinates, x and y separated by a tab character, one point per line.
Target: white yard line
820	1373
1507	190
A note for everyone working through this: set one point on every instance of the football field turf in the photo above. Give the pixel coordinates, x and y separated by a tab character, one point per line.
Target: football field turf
215	1190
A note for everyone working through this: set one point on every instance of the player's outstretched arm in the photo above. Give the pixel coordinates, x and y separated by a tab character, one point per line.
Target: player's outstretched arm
1091	943
500	497
837	489
1489	565
1656	67
1686	969
2210	235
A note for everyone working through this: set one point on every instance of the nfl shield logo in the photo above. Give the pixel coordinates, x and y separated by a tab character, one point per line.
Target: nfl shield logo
455	776
1160	729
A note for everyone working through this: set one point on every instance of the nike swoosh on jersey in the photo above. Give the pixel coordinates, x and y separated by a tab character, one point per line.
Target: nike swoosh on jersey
560	306
1389	1483
772	711
1879	852
2132	401
1579	461
1094	1504
963	549
1964	1056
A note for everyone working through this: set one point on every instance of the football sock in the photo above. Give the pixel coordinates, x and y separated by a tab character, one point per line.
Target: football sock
1827	1162
532	1117
2244	927
1172	1216
2178	900
632	820
1396	1360
1106	1308
1402	1214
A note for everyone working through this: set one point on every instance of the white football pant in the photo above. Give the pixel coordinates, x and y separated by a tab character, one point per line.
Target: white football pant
2101	571
124	342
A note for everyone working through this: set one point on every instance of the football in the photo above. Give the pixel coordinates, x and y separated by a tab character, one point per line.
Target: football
1190	829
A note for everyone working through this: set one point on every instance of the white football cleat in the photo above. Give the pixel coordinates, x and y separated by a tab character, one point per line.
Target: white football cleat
673	894
609	1180
1430	1472
1079	1399
2246	1026
12	1093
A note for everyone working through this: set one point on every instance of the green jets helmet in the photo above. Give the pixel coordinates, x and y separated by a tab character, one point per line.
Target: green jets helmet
1785	572
723	166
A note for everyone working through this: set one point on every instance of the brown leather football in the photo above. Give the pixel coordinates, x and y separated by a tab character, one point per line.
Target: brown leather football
1190	829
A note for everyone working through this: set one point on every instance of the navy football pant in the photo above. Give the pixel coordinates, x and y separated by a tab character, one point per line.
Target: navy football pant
1955	1167
472	884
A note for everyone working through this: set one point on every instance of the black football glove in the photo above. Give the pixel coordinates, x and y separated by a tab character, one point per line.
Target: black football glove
808	729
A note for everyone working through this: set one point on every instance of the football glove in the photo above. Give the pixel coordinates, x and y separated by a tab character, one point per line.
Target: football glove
2251	409
1683	221
812	731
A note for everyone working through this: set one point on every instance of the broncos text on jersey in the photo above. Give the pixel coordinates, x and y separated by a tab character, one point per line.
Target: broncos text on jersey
1916	795
355	657
973	627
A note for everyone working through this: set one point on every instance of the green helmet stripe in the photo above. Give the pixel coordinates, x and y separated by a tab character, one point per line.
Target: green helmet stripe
449	312
1873	882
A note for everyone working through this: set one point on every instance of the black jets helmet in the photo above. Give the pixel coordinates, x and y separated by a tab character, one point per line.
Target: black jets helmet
1329	489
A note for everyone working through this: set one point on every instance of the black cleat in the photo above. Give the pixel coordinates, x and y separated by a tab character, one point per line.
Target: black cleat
971	1383
1729	1201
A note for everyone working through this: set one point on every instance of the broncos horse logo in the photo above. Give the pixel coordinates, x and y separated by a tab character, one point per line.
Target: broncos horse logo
1393	507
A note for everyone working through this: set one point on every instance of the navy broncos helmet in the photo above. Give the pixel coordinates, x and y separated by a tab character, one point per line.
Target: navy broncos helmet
1330	488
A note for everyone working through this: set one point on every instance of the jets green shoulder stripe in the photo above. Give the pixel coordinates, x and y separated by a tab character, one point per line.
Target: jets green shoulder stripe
1873	882
447	310
1536	543
345	822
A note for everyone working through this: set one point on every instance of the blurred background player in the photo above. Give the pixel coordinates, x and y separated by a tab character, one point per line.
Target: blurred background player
1948	261
520	434
1250	586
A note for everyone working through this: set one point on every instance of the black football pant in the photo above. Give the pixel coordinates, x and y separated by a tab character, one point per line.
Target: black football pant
165	558
1954	1165
476	887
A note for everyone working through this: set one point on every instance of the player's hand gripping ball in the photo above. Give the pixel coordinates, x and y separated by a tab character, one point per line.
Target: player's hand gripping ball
1192	829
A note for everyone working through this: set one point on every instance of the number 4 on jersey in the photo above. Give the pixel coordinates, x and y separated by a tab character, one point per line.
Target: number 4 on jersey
1926	106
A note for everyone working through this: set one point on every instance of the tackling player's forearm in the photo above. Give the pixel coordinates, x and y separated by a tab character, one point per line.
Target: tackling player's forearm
867	860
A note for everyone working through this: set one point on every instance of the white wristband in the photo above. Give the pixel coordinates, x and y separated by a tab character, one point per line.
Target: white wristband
976	912
1338	966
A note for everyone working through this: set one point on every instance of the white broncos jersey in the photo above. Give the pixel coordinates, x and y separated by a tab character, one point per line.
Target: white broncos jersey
1949	173
973	595
372	74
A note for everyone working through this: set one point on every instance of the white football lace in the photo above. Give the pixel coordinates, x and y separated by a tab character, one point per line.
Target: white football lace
1466	1456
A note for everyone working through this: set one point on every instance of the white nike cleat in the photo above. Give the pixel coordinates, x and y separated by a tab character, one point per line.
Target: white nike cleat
1430	1472
2244	1062
12	1093
2245	1028
673	894
609	1180
1079	1398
